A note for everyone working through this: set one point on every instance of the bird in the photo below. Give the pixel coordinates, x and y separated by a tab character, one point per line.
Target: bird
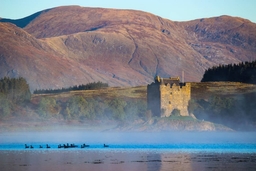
40	146
26	146
31	146
84	145
106	145
60	146
47	146
73	146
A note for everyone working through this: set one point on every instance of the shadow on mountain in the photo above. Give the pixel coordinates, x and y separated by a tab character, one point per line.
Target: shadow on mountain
23	22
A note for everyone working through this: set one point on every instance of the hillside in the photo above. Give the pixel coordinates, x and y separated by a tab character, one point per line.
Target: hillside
199	90
29	117
74	45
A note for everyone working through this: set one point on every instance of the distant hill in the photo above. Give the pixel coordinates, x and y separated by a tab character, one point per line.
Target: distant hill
72	45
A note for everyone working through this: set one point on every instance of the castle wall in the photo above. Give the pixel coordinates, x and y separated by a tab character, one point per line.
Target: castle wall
153	99
164	98
178	99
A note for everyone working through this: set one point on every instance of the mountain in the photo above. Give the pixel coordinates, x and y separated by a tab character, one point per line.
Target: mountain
71	45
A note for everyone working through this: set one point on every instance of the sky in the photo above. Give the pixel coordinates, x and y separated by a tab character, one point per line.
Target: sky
175	10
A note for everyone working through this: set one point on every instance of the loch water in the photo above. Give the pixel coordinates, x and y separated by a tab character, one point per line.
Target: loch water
160	142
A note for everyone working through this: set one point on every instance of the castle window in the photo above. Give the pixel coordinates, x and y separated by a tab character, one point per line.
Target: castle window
170	102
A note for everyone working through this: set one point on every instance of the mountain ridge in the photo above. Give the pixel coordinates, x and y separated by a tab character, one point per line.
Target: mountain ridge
119	47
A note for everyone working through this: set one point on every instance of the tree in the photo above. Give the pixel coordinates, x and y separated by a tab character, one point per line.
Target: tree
221	105
76	106
117	108
5	107
47	107
13	92
242	72
89	86
15	89
90	109
66	114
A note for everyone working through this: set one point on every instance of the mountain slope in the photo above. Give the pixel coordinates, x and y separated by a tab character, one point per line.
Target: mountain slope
222	39
22	55
120	47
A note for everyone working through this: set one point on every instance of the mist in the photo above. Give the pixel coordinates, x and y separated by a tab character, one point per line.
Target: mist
236	111
128	137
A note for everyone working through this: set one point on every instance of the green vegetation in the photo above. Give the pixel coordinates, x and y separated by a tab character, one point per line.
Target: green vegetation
47	107
120	104
5	106
89	86
242	72
230	104
78	107
15	89
14	92
227	103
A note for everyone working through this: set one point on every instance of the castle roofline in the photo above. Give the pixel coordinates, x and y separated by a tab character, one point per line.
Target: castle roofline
171	81
175	78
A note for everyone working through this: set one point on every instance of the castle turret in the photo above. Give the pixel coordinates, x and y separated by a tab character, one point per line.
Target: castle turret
157	79
162	81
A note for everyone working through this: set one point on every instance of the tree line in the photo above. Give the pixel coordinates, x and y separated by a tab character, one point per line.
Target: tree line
15	100
13	92
81	108
89	86
15	89
243	72
236	111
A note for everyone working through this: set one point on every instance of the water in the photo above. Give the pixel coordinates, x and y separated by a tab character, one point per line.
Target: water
129	151
165	142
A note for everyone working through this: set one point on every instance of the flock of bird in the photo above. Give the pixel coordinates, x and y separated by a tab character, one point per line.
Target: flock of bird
64	146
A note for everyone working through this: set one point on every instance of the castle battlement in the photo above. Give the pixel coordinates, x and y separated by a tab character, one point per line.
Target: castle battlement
166	94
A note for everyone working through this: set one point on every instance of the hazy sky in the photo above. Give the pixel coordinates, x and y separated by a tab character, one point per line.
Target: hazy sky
176	10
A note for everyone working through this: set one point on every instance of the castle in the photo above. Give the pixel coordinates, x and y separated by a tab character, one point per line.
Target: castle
166	94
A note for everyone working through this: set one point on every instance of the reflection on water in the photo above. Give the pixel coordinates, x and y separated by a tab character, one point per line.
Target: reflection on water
126	161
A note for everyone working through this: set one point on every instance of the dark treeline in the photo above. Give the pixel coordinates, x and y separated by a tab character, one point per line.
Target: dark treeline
89	86
15	89
243	72
13	92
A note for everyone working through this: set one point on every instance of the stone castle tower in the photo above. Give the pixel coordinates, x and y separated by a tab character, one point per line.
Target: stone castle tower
166	94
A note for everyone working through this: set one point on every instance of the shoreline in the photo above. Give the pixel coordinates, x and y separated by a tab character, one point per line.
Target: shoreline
162	125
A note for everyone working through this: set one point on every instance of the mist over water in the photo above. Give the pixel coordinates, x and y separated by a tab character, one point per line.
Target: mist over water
129	141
